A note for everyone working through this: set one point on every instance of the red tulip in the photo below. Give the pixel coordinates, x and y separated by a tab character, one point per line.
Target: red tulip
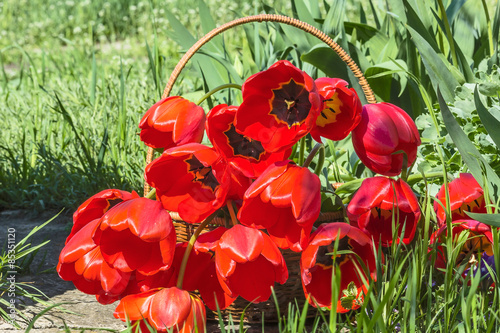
81	262
109	257
316	265
138	235
248	263
246	154
190	180
384	130
95	207
280	105
381	202
466	195
479	240
341	110
165	309
171	122
285	200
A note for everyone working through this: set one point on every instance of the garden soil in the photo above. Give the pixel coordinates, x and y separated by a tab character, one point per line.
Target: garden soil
78	311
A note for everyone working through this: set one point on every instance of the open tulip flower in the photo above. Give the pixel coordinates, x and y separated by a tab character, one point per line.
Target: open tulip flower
165	309
280	105
82	263
248	263
171	122
285	200
188	180
466	195
138	235
384	131
316	265
479	240
246	154
381	203
341	110
103	257
95	207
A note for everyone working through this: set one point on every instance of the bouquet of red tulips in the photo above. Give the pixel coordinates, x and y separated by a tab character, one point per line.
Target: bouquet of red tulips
123	247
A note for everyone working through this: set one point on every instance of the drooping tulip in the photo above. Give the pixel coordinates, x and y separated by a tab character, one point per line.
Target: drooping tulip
95	207
110	255
466	195
189	180
280	105
384	132
165	309
341	111
316	265
286	201
381	203
138	235
173	121
248	263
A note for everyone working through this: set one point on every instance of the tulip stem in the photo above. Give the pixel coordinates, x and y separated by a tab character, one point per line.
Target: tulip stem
312	154
216	89
321	160
302	150
230	208
197	232
151	194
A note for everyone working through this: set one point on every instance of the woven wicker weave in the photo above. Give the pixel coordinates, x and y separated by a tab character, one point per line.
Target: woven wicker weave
292	289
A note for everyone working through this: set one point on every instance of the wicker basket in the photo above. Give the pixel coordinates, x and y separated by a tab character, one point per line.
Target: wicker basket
292	289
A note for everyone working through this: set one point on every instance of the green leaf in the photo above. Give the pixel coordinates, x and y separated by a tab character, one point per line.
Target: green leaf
184	38
489	219
453	9
208	24
304	14
491	124
470	154
326	60
380	77
437	69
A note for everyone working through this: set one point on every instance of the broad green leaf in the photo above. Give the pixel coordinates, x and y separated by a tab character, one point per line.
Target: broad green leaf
470	154
326	60
184	38
490	123
436	68
334	21
208	24
380	77
416	23
496	26
453	9
489	219
397	7
304	14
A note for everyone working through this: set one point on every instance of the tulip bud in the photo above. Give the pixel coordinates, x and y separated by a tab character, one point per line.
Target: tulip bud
383	131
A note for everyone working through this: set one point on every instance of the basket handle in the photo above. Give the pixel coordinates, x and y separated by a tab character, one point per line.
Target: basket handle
370	97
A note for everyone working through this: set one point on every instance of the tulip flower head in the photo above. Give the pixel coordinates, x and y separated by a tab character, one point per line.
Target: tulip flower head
341	110
381	203
165	309
248	263
171	122
280	105
316	265
384	131
285	200
466	195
